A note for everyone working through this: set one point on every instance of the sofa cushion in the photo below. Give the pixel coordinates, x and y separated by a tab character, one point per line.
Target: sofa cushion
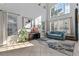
55	34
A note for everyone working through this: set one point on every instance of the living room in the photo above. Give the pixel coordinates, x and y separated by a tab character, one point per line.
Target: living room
55	21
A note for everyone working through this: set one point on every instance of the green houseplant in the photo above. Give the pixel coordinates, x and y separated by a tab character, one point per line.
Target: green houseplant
23	35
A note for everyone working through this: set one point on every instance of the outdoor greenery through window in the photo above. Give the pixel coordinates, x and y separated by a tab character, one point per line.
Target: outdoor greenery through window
60	9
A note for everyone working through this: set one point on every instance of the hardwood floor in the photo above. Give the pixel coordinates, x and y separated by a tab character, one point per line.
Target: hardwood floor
39	49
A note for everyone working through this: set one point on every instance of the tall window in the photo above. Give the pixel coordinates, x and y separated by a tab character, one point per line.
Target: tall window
43	26
12	24
60	9
38	22
61	25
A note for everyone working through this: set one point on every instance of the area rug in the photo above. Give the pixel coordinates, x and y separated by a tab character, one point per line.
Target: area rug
63	47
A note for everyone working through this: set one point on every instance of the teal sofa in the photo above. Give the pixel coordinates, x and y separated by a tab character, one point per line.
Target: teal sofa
56	35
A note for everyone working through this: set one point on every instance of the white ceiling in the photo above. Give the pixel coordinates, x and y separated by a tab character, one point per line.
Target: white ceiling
25	9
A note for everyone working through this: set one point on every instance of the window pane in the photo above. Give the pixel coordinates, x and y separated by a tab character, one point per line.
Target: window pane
67	8
61	25
60	9
12	24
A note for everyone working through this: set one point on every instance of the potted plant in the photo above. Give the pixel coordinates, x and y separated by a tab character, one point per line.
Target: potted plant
23	35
